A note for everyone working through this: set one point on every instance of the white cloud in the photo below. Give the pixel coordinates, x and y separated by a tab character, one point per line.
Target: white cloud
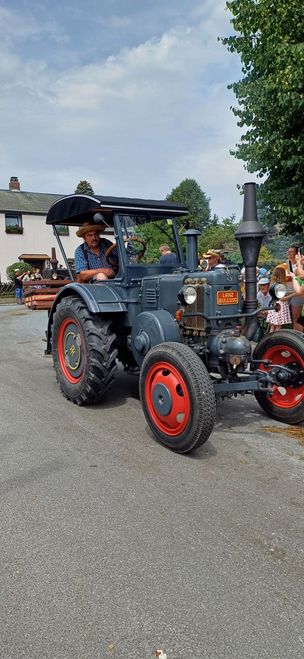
19	26
136	122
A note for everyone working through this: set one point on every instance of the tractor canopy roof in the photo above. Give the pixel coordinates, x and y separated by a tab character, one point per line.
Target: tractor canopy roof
75	209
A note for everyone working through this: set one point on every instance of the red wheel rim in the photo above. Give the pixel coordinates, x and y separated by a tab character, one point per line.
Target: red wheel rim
284	396
163	377
69	350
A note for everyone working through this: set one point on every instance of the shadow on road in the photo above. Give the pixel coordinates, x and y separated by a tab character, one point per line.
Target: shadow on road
126	387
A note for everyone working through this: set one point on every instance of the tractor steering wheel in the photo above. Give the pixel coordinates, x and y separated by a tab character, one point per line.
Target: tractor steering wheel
131	252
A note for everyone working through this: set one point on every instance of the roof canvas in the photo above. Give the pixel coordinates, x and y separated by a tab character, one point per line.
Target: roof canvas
75	209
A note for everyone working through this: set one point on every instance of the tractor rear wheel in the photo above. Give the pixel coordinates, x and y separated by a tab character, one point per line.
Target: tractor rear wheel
84	352
177	397
285	348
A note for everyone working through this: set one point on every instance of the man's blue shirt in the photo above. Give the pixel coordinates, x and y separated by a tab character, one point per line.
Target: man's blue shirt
87	260
168	259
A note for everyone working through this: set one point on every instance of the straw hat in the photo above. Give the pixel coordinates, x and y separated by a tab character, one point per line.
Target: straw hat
88	227
211	253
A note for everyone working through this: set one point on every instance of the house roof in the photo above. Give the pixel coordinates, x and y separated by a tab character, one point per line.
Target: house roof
26	202
38	257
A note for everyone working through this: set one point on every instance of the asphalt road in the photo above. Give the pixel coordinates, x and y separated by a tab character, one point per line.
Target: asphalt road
112	546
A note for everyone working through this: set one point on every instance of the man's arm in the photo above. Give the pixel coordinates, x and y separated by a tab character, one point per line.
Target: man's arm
300	269
20	277
85	275
298	288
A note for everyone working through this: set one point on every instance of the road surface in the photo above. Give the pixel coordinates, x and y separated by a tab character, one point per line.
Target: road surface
113	546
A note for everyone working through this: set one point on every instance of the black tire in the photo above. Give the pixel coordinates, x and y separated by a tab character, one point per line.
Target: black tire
286	347
177	397
84	352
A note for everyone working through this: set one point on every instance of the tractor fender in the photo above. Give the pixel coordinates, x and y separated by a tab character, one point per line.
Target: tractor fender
99	298
151	328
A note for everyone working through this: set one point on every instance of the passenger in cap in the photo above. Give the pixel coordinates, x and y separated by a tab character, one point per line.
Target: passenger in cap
264	298
18	279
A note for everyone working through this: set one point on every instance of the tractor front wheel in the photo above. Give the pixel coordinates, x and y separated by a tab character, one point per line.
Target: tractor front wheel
286	401
84	353
177	397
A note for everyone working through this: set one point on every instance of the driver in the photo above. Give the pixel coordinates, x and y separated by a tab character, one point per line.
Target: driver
90	257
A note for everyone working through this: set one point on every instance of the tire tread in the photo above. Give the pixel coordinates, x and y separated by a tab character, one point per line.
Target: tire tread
101	368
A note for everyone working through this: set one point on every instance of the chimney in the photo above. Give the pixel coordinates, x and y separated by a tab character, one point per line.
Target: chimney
14	185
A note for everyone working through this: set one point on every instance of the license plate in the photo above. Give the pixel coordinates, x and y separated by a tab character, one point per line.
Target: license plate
227	297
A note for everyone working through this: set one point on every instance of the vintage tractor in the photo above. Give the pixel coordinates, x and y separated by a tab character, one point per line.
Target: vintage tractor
187	332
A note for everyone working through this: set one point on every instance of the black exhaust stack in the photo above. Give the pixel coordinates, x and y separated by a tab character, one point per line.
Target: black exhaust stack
250	235
191	248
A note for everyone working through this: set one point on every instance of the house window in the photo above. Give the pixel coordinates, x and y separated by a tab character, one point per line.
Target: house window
13	223
62	229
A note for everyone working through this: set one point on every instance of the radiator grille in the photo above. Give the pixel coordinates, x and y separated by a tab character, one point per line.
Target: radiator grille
196	323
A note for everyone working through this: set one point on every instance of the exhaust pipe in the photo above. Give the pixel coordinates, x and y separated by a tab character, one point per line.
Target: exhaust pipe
250	235
191	248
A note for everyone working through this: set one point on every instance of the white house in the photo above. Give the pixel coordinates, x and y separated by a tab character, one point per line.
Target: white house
24	235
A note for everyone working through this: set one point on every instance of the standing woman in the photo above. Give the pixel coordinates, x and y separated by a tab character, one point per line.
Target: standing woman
282	317
298	287
294	260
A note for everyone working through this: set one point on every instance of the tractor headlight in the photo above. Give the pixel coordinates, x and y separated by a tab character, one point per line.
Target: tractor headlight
187	295
54	275
277	291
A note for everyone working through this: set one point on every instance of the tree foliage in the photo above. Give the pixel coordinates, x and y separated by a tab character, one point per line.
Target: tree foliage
219	236
154	237
188	192
84	187
266	258
270	42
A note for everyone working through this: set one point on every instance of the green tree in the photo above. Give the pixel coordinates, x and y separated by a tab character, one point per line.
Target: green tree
220	236
188	192
84	187
154	236
269	39
266	258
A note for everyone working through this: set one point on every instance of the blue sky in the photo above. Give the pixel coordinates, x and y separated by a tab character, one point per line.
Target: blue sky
130	95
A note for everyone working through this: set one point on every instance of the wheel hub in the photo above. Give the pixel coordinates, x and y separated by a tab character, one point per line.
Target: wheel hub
284	366
72	350
168	399
162	399
291	374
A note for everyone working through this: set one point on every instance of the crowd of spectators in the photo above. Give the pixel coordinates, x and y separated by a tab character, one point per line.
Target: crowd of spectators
33	274
289	310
